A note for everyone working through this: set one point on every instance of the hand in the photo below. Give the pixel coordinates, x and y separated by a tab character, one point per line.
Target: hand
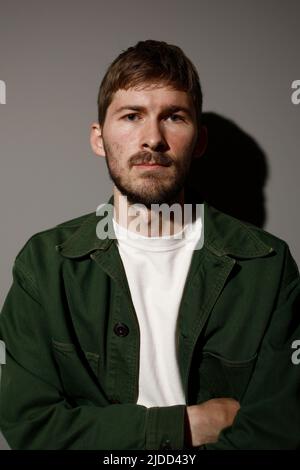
207	420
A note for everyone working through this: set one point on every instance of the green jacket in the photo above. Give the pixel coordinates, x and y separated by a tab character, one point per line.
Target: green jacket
72	342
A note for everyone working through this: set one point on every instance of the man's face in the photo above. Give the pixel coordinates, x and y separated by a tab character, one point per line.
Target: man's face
148	139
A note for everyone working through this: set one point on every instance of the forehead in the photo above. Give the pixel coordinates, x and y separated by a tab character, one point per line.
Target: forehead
155	96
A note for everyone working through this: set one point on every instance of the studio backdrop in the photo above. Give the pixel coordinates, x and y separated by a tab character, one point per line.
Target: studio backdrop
53	56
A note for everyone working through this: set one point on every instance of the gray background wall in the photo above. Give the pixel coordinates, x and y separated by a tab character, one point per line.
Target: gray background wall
53	56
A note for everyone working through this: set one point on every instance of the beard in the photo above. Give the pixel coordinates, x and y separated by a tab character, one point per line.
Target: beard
152	187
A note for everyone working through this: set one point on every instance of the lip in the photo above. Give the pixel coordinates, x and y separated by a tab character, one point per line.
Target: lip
150	165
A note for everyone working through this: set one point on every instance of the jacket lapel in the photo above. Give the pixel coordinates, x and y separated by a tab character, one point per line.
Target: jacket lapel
93	280
206	279
85	285
225	240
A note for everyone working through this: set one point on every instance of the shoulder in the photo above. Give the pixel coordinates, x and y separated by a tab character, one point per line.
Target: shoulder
44	242
232	227
241	239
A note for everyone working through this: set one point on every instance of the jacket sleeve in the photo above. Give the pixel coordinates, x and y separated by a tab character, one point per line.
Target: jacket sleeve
35	414
269	417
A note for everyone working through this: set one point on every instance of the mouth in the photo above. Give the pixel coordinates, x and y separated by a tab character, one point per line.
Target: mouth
150	167
148	164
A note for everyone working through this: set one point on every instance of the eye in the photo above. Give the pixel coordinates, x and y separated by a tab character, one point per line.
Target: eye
129	116
177	117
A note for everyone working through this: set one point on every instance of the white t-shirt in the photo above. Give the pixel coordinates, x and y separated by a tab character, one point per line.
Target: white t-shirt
156	270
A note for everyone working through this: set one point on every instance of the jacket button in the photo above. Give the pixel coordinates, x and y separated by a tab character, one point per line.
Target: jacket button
121	329
166	445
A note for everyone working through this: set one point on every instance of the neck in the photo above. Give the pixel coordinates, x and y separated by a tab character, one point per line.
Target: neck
158	221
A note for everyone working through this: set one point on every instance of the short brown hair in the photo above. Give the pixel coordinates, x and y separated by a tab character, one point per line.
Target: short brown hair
150	61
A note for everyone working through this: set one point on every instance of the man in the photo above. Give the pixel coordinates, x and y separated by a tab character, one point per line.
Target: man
132	339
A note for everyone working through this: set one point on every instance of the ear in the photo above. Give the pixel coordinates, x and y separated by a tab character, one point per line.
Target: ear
96	140
201	143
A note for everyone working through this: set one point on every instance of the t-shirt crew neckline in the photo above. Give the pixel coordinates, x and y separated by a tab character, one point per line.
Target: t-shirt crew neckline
190	233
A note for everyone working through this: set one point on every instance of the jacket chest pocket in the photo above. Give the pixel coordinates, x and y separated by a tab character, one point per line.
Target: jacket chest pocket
78	374
223	378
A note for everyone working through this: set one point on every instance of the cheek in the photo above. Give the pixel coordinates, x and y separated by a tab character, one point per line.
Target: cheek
115	150
121	132
181	141
121	141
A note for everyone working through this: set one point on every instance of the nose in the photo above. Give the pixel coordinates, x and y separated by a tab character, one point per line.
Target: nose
153	137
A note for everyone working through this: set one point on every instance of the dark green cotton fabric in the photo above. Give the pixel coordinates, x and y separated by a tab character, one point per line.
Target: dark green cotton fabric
71	382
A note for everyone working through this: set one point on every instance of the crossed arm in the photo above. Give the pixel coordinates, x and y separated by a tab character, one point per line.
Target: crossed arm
35	414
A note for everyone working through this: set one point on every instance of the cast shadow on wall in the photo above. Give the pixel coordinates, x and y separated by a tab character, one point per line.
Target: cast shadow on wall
232	173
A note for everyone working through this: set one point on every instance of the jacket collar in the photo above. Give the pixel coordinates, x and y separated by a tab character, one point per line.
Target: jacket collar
223	235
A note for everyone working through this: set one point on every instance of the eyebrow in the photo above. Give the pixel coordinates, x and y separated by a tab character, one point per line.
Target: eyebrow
167	109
